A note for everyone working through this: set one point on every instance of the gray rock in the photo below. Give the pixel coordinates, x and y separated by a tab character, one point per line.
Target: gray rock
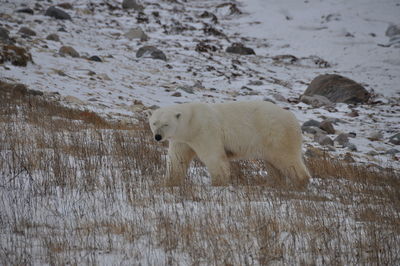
374	136
279	97
4	35
238	48
311	123
312	130
266	99
392	151
53	37
186	89
151	52
136	33
327	126
57	13
27	31
393	30
255	83
26	10
395	139
132	4
316	100
95	58
350	146
68	50
338	89
372	153
323	140
342	139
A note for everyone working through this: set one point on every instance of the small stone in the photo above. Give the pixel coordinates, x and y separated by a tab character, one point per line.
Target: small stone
255	83
352	134
57	13
239	48
68	50
316	101
279	97
327	126
176	94
95	58
323	140
374	136
372	153
351	146
311	123
353	113
27	31
65	5
393	30
151	52
26	10
4	35
73	100
312	130
132	4
53	37
395	139
392	151
342	139
137	33
186	89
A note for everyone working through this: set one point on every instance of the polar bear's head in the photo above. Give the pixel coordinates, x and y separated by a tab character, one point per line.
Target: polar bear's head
164	124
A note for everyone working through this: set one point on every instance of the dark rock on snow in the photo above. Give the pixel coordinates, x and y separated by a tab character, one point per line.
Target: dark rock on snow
27	31
239	48
132	4
311	123
151	52
342	139
393	30
18	56
338	89
26	10
4	35
395	139
95	58
57	13
323	140
327	127
53	37
68	50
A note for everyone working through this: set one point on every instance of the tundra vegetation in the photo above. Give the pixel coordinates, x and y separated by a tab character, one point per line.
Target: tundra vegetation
78	189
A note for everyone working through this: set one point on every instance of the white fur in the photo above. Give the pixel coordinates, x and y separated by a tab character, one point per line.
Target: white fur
217	133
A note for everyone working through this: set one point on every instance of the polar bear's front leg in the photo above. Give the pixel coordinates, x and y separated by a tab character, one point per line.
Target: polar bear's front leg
179	157
217	164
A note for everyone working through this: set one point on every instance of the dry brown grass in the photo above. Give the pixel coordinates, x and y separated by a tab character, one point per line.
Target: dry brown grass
77	189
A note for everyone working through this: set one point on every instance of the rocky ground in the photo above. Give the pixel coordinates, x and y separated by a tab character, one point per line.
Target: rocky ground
121	58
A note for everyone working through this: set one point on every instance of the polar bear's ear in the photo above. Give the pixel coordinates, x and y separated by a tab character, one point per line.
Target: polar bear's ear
177	115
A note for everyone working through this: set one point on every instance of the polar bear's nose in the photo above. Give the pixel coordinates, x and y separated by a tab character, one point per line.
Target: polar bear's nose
158	137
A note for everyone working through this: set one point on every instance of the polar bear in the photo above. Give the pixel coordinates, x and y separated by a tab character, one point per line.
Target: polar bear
217	133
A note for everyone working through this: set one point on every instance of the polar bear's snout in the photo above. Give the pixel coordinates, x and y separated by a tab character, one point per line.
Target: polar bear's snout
157	137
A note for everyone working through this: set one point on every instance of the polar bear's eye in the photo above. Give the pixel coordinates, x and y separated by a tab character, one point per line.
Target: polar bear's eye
165	125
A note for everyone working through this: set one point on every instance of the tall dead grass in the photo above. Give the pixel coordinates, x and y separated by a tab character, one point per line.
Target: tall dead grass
77	189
